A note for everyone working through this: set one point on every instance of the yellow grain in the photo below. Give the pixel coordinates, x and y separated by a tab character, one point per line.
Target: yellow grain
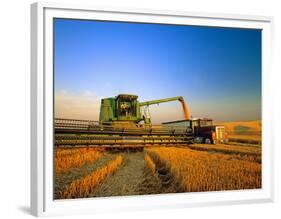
83	187
150	163
202	171
66	159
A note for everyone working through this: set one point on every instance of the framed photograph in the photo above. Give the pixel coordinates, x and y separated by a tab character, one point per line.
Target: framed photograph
136	109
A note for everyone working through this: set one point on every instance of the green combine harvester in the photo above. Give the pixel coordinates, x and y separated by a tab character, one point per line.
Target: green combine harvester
125	110
123	122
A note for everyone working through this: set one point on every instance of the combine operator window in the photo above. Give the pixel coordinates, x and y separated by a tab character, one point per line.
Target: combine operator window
126	109
202	123
195	123
126	105
206	123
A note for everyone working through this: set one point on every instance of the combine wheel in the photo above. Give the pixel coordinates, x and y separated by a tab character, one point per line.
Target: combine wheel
199	140
208	141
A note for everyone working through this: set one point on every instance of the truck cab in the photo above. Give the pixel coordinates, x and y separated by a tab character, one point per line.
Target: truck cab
206	132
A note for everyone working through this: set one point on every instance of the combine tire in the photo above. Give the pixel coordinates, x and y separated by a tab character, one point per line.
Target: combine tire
199	140
208	141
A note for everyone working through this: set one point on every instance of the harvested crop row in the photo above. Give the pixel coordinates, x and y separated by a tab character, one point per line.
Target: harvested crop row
228	148
248	153
202	171
81	188
66	159
150	163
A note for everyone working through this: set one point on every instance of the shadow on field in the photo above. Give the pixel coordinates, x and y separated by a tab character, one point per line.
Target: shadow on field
168	183
24	209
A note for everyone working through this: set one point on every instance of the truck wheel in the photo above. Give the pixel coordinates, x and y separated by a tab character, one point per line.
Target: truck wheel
208	141
199	140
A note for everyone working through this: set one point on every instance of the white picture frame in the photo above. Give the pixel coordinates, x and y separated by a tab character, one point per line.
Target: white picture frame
42	203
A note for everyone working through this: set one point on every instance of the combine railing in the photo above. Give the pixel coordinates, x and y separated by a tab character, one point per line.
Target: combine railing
87	132
90	126
74	123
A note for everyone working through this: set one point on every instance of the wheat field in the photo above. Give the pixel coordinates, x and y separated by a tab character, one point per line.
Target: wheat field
201	171
88	172
83	187
66	159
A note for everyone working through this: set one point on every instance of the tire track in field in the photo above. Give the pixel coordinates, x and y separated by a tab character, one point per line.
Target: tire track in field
132	178
126	180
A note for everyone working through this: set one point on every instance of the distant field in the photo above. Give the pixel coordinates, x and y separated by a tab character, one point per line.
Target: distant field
244	131
242	127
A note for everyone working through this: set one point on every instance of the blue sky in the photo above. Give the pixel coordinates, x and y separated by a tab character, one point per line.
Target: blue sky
216	70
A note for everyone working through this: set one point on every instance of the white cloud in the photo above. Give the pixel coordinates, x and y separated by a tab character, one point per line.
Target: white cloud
84	105
166	112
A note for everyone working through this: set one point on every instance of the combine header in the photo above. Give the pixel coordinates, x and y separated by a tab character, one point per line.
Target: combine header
123	122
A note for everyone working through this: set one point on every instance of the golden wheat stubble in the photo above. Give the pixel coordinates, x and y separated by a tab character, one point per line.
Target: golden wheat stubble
81	188
202	171
66	159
